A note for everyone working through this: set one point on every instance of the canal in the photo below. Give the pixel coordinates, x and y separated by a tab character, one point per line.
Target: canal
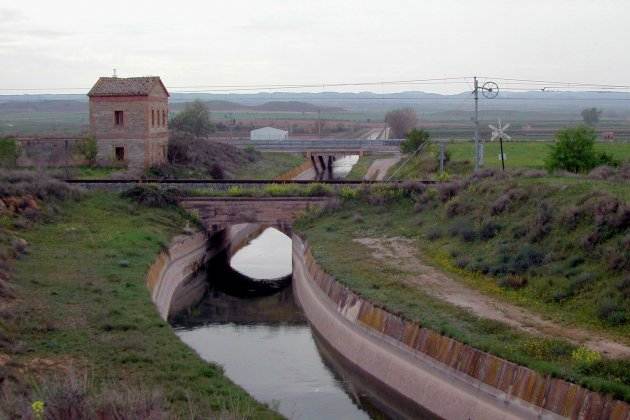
249	323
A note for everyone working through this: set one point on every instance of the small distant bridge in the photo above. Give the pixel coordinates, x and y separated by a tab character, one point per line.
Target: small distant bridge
322	146
323	152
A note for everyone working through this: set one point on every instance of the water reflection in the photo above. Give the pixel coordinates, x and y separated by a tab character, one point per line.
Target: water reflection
343	166
266	257
265	345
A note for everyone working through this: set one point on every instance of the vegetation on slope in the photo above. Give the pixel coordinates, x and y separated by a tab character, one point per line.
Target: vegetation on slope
359	170
199	158
557	246
80	310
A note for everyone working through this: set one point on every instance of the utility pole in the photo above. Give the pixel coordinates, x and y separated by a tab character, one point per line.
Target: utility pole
476	91
489	90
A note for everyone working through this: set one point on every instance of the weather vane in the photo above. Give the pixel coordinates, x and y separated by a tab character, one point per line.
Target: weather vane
498	132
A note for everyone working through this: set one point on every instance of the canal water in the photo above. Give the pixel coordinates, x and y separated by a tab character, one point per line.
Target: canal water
343	166
264	342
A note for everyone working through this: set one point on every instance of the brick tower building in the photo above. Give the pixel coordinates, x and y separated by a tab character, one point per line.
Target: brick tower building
129	119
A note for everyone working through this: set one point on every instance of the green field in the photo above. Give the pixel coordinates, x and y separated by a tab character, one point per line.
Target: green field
85	308
527	255
520	155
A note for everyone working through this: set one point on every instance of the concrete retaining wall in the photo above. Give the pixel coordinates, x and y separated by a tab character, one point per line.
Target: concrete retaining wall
446	377
175	278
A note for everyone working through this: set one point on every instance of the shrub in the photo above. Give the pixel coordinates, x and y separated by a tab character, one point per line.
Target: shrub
584	356
526	257
449	190
464	230
519	231
462	261
457	208
434	233
318	189
9	152
546	349
505	200
602	172
574	151
623	286
88	149
199	157
513	281
216	171
348	193
580	282
413	140
383	194
151	196
413	187
489	230
542	223
610	311
194	119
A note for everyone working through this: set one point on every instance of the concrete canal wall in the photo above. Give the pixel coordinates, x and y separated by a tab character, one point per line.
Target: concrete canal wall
448	378
175	279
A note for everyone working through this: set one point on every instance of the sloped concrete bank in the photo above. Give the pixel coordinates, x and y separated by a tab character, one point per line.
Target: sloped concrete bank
175	279
439	374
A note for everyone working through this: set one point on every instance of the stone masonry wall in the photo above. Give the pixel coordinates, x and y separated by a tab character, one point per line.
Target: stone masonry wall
49	152
490	379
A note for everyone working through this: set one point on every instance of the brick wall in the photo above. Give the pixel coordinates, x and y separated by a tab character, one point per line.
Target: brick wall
143	133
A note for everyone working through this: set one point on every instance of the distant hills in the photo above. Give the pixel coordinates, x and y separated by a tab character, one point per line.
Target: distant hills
14	105
530	105
276	106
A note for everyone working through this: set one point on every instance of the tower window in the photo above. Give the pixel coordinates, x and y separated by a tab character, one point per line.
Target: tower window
120	153
163	118
153	118
118	118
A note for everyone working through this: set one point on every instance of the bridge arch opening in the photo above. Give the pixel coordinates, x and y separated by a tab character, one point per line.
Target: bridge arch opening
265	257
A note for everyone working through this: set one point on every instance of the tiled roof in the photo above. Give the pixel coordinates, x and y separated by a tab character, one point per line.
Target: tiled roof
125	86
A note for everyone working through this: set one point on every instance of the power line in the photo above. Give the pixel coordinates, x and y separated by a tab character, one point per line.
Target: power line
230	87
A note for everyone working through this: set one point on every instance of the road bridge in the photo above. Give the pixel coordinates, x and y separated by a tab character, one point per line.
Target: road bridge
337	146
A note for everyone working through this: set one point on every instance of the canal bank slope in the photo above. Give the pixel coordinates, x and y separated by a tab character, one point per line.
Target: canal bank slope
86	334
439	374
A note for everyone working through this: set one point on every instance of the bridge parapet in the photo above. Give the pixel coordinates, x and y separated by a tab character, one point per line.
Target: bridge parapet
216	213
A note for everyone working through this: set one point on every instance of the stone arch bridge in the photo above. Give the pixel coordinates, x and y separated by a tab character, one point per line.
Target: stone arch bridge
217	213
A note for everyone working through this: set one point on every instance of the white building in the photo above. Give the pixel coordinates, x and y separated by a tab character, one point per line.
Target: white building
268	133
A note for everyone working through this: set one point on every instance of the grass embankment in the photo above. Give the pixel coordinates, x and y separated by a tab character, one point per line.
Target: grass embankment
520	155
556	246
359	170
269	165
270	190
83	305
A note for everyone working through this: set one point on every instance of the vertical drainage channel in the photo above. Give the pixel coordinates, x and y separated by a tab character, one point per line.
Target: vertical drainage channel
249	323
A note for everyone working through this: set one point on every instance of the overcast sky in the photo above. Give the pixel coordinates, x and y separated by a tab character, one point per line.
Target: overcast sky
63	43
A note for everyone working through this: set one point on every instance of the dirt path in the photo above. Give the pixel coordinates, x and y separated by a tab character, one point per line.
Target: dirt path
378	169
400	253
